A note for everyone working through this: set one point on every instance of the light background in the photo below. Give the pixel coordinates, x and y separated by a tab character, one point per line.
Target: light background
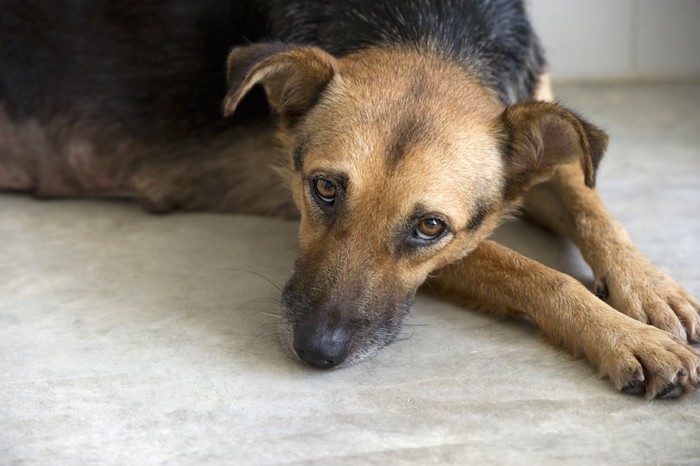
602	39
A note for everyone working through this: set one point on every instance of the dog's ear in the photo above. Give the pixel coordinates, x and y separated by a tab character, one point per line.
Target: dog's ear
293	77
538	136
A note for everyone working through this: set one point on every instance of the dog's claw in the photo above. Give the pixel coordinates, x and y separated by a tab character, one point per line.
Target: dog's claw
673	390
636	387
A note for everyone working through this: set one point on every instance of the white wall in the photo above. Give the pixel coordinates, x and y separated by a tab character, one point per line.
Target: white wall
619	38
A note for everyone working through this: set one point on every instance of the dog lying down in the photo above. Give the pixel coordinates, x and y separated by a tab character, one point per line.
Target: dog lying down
404	132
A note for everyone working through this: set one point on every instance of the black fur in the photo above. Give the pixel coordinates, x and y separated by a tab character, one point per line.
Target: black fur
491	38
156	68
477	219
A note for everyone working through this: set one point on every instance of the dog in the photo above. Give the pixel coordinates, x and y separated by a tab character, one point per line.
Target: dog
404	132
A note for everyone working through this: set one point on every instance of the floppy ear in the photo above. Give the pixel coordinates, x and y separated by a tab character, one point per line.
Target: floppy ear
541	135
293	77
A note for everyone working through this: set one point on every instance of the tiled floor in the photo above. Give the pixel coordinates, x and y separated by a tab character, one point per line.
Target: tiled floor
134	339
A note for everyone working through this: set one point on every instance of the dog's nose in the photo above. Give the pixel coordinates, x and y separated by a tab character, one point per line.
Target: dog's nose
321	347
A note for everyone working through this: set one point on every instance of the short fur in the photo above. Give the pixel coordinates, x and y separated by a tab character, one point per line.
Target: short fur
405	131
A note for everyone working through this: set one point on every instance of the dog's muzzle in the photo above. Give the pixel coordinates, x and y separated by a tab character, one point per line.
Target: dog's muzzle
329	319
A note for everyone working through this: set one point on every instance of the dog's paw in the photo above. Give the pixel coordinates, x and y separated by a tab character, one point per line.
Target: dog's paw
644	360
638	289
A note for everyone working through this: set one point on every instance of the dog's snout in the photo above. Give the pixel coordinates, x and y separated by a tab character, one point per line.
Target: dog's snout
320	346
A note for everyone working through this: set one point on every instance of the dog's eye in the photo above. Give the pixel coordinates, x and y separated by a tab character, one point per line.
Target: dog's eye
325	190
430	229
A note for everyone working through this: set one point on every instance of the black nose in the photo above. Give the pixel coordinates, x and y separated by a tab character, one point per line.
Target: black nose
320	346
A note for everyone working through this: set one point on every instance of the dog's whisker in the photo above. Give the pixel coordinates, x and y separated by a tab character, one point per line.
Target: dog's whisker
257	274
404	335
271	314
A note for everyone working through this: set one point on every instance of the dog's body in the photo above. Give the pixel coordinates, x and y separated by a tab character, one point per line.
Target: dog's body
406	131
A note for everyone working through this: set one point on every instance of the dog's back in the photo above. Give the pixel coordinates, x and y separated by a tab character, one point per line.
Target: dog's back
93	92
141	64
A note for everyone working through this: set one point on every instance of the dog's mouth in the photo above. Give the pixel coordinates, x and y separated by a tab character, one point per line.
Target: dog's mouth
337	338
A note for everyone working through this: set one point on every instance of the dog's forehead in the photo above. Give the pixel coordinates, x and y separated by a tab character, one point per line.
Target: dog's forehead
389	102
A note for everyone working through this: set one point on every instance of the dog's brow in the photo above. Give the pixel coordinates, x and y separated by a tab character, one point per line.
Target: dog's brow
422	210
299	152
482	209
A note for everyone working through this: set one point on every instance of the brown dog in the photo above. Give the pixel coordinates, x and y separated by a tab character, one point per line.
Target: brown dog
361	194
402	151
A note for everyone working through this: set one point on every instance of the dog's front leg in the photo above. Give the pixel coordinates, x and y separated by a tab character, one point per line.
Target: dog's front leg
638	358
625	278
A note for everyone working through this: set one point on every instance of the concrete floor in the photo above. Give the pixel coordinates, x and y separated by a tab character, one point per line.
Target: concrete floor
127	338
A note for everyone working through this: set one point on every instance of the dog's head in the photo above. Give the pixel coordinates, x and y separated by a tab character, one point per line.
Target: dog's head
399	163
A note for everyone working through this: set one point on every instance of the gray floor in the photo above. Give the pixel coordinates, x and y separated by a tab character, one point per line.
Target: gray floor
134	339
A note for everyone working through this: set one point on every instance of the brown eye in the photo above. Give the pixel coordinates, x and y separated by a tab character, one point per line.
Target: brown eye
430	228
325	190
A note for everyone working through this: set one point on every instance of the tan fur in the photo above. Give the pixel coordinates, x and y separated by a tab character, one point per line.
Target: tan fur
634	285
253	155
454	169
567	313
544	91
620	348
73	159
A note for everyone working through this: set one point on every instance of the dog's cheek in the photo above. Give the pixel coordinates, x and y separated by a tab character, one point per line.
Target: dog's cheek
297	189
